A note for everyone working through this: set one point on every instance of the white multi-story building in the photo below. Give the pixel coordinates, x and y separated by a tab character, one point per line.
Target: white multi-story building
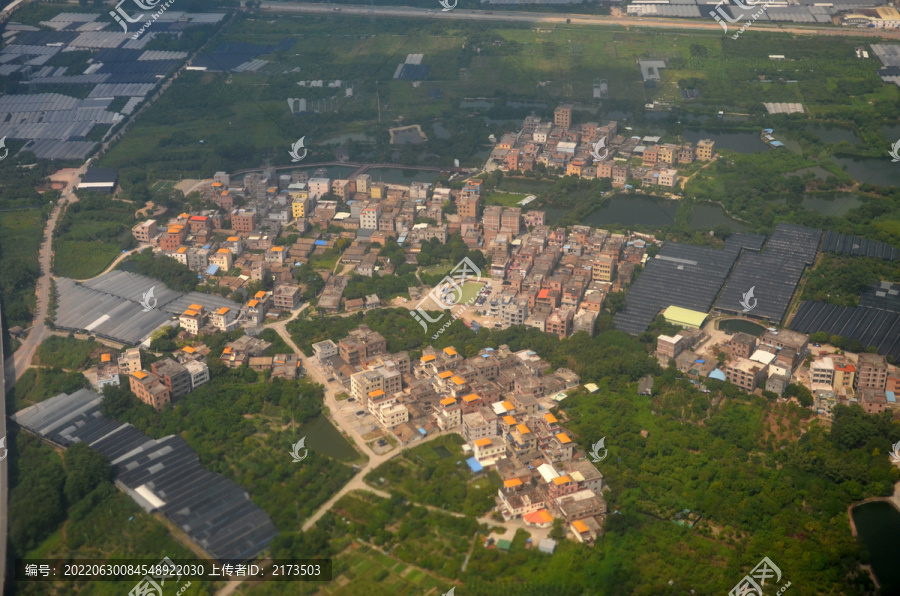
199	373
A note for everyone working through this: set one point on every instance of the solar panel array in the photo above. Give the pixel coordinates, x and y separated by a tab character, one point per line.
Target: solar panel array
859	247
215	512
681	275
870	326
773	274
229	56
120	67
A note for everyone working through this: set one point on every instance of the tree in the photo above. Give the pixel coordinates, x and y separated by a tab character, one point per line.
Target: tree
558	532
117	401
85	470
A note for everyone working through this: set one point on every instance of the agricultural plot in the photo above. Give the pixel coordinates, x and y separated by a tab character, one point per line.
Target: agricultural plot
499	73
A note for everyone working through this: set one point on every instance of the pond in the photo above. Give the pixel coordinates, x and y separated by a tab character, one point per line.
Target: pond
401	175
741	142
741	326
631	210
871	170
479	104
831	204
440	131
709	215
322	437
347	137
878	526
833	134
892	132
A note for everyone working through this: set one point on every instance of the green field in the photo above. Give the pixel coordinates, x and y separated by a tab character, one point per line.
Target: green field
507	199
20	242
498	62
91	234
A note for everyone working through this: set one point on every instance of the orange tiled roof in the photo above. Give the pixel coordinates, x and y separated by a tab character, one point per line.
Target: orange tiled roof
447	401
482	442
563	438
512	483
523	430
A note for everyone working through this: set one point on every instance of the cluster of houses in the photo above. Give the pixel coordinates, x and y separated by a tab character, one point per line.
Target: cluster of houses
557	280
499	401
166	381
776	359
589	150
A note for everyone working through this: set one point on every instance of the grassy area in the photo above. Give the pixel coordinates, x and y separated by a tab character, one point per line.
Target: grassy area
20	242
37	384
83	260
92	233
507	199
423	475
66	352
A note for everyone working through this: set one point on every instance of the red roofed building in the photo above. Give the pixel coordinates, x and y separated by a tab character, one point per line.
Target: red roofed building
200	224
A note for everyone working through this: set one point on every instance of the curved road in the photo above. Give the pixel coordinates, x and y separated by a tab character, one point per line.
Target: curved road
315	373
574	19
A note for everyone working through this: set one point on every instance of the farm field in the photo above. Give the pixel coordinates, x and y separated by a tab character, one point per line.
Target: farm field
498	73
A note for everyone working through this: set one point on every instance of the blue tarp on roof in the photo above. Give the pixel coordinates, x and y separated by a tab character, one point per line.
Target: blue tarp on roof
717	374
777	144
474	465
890	396
422	432
700	361
320	243
212	269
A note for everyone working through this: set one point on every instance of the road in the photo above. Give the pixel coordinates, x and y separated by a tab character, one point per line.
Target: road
18	363
564	19
316	374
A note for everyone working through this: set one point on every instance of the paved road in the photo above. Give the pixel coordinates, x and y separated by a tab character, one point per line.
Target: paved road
574	19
